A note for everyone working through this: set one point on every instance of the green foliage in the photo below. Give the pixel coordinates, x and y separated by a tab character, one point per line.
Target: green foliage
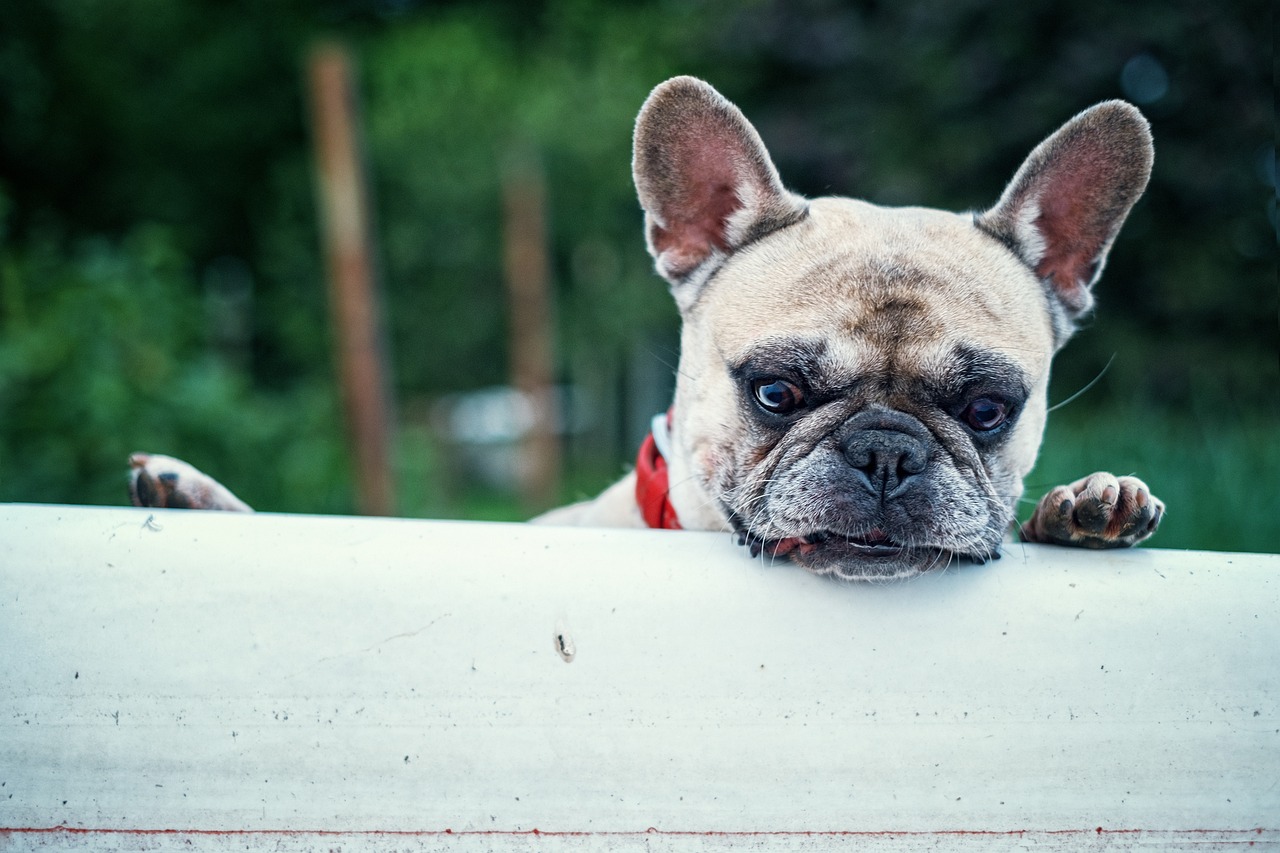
451	104
103	352
149	150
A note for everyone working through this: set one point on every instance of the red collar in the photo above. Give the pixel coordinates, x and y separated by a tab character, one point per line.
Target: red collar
652	487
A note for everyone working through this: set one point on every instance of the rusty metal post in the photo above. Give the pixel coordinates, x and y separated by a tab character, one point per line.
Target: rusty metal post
353	291
532	367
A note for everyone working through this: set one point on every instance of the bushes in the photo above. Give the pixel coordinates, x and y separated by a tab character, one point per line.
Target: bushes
192	115
103	352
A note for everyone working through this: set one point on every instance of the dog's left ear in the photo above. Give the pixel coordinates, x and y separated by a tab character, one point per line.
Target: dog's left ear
1064	207
705	181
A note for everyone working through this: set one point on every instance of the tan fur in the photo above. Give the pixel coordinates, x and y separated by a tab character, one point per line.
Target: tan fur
811	278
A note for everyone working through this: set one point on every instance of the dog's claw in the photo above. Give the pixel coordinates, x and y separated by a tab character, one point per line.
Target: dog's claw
1099	511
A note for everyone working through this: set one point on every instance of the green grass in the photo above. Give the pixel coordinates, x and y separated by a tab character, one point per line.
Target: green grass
1217	472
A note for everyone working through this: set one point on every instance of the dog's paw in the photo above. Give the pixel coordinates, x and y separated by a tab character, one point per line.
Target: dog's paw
1099	511
162	481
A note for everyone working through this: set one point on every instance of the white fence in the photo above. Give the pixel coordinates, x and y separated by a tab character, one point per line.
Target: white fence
174	680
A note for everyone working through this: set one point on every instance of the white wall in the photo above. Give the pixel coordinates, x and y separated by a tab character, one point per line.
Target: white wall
175	680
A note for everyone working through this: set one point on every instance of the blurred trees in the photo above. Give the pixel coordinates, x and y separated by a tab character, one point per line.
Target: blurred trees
160	278
105	350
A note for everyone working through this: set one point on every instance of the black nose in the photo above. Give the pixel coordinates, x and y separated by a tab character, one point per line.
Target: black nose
888	460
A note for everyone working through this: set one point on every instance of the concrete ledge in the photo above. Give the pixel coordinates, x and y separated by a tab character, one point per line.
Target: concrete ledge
175	680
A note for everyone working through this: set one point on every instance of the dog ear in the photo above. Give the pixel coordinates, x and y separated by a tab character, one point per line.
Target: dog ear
705	181
1064	207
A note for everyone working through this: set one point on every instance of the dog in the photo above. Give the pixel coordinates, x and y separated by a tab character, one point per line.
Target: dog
861	389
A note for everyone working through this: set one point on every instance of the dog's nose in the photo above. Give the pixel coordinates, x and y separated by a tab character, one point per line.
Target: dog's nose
887	460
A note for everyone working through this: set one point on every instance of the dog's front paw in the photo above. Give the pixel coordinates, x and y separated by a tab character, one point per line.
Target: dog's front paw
162	481
1099	511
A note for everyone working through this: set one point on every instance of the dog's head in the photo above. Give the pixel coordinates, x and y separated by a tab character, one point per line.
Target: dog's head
863	388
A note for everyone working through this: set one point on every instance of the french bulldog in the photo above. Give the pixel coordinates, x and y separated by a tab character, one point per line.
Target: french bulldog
861	389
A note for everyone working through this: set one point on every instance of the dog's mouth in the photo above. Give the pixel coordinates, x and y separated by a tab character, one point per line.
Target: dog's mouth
873	543
870	555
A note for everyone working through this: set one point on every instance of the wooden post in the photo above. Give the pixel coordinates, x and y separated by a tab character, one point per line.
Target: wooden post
529	308
353	296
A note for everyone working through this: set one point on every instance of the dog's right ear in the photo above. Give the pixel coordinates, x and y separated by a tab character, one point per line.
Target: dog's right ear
705	181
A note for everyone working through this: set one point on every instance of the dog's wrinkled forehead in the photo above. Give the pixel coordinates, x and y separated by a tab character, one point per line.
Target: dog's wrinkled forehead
885	289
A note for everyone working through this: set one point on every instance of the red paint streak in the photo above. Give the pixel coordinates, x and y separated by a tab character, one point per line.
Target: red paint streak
417	833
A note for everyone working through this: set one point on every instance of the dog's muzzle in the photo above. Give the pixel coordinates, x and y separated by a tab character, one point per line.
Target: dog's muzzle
887	451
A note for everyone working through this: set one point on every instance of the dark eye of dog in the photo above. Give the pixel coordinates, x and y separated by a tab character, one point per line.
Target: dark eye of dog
985	414
777	396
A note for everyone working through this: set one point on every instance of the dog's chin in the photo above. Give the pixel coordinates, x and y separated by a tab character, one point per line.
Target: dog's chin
870	556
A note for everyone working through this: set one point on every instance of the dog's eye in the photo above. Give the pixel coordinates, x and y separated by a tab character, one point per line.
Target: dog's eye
985	414
777	396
